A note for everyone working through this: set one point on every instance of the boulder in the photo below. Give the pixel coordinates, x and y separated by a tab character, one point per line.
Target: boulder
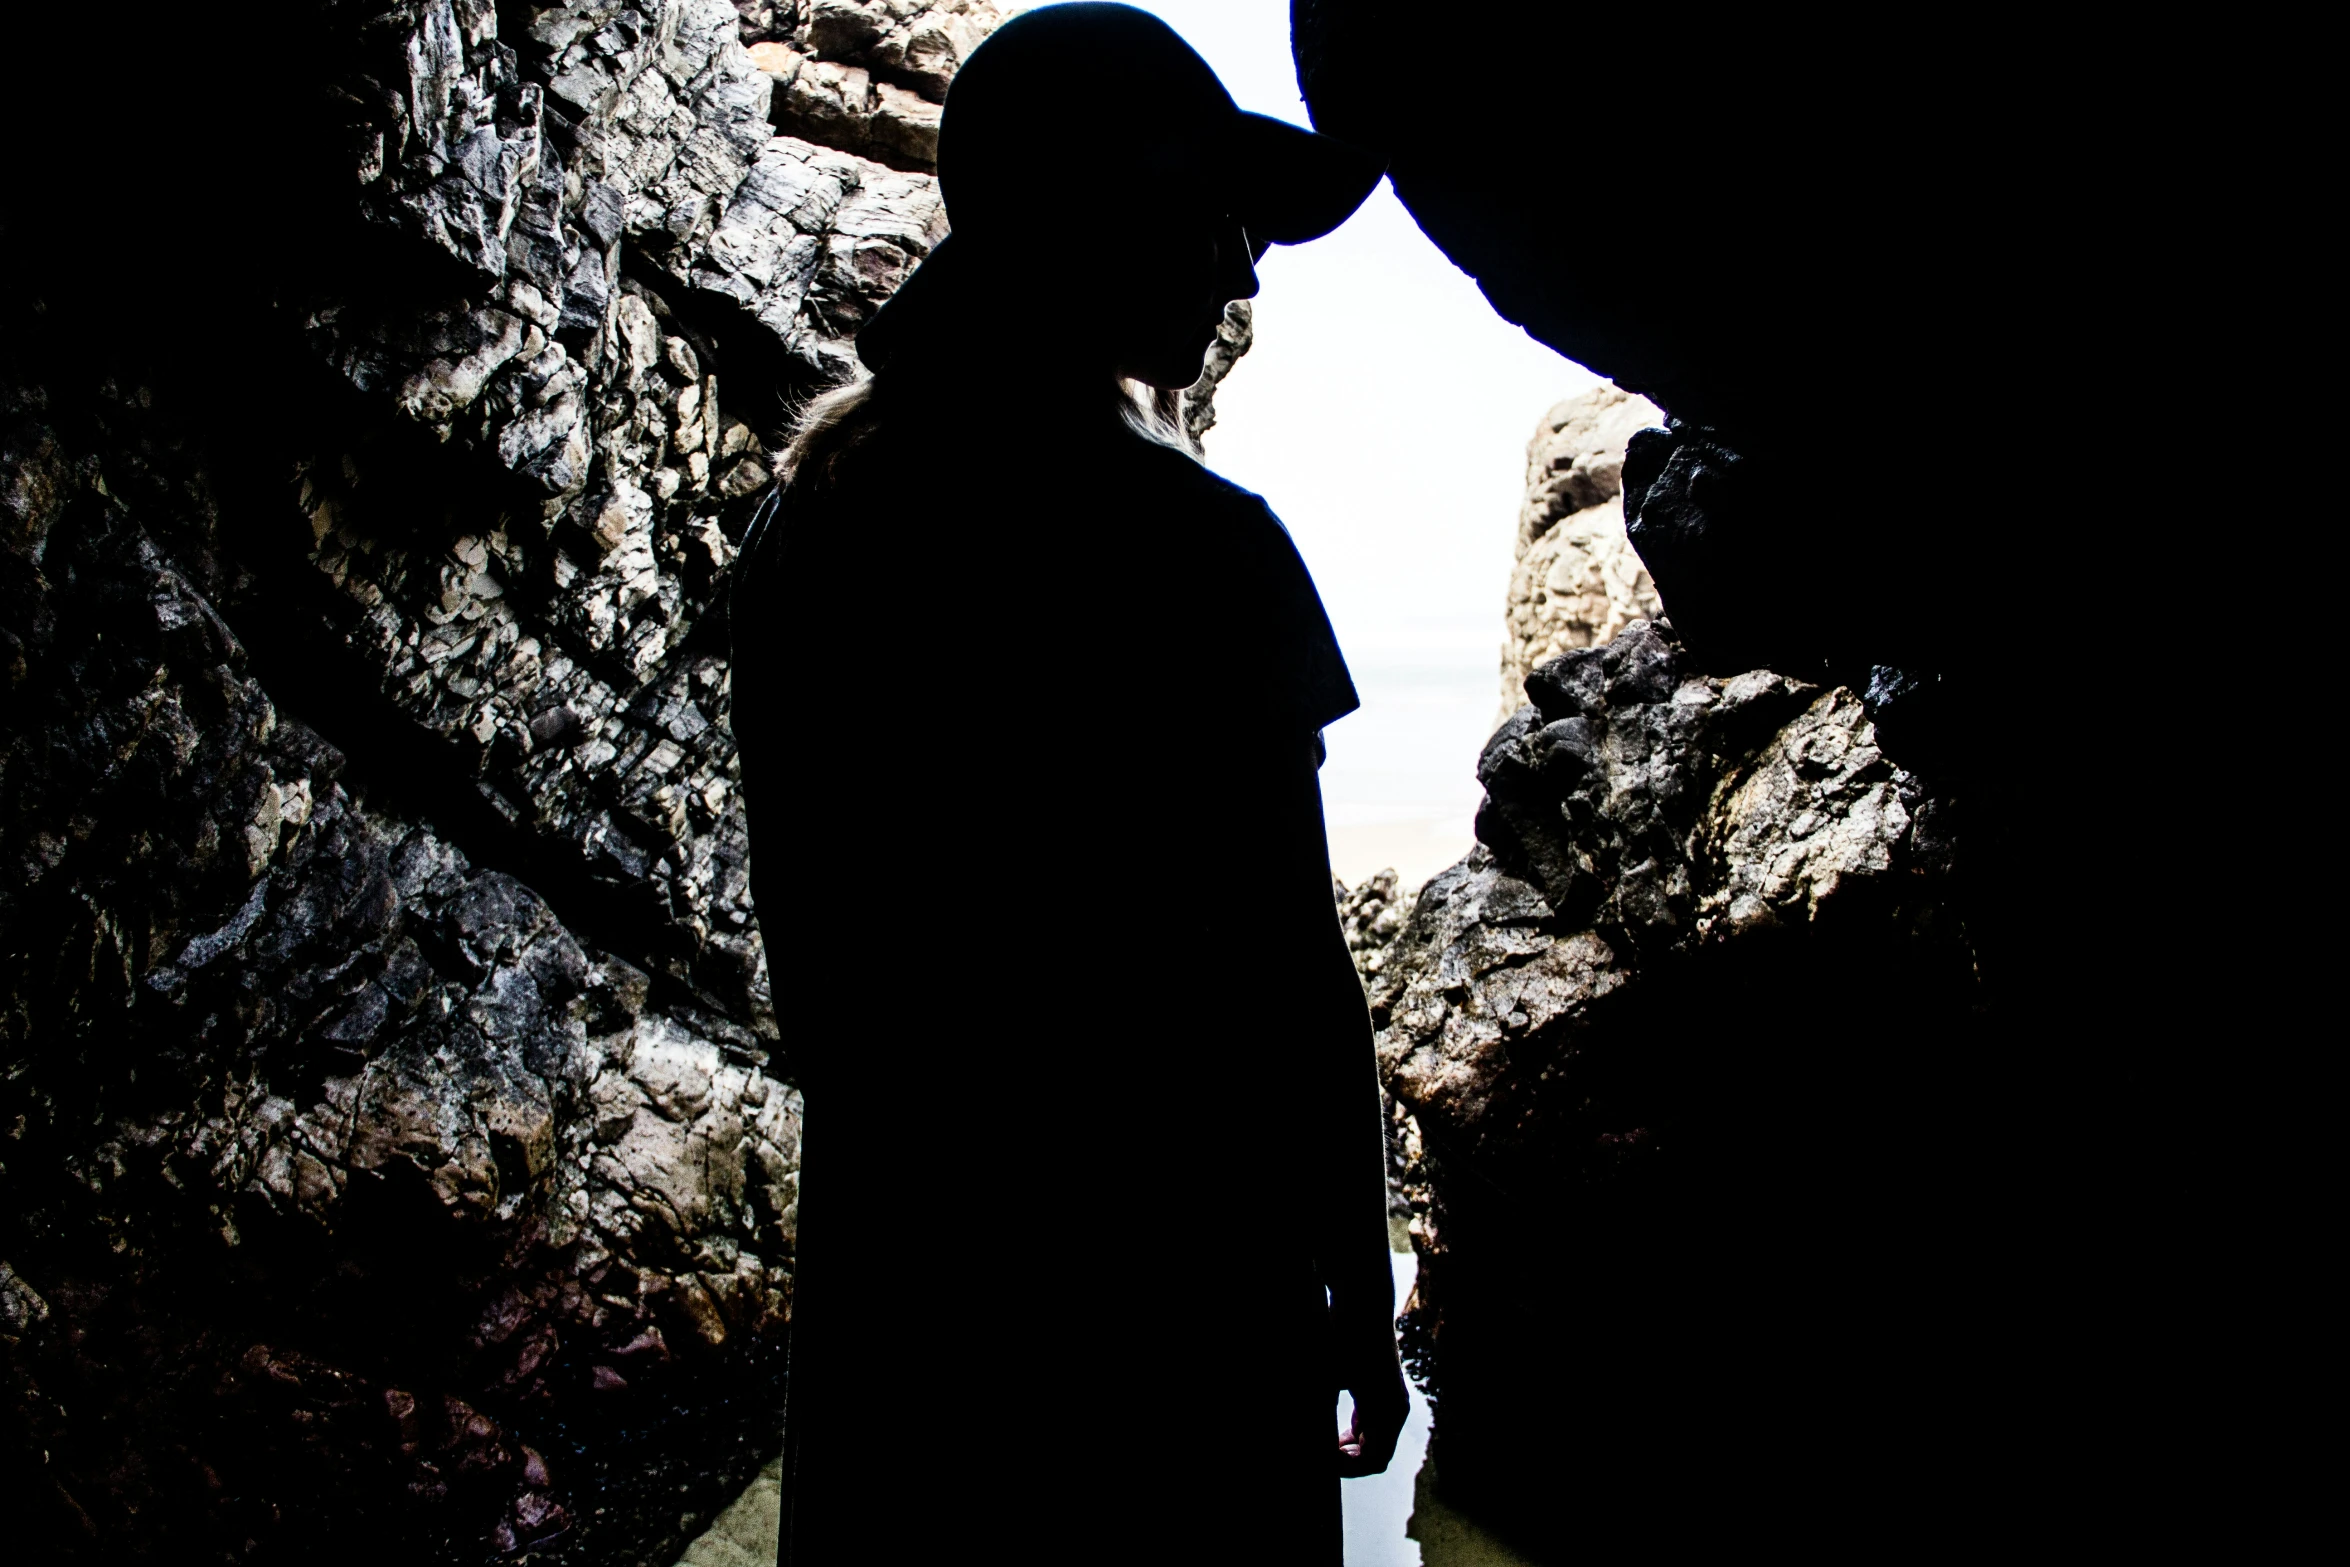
1662	1053
1577	580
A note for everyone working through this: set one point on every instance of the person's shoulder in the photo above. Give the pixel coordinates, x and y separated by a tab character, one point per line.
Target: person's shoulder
1182	479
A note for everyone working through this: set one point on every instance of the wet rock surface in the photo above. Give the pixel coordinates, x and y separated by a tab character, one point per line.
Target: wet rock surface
1636	1044
348	1190
397	1140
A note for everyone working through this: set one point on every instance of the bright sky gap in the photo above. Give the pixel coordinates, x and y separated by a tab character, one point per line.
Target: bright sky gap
1384	414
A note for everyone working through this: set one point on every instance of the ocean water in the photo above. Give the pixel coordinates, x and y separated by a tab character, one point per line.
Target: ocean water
1400	787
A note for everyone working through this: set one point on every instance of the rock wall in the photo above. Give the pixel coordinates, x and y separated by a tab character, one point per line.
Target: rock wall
1640	1044
329	1149
1577	581
866	76
397	1143
1908	273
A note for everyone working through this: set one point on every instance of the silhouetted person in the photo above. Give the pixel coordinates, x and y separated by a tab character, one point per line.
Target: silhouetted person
1093	1225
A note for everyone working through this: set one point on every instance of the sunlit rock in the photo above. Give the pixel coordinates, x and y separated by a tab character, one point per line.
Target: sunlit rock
1577	581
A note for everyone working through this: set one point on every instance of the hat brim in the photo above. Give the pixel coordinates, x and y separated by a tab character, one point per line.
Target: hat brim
1288	185
1291	185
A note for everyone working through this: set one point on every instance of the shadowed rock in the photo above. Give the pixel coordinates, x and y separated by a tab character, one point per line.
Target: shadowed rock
1655	1052
327	1147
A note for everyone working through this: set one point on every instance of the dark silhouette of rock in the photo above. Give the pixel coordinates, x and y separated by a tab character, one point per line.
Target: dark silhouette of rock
1907	223
1919	228
867	76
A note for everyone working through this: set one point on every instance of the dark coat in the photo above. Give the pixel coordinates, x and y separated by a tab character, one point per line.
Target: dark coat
1029	740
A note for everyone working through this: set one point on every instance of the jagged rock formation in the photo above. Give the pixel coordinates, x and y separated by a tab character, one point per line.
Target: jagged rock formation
1234	334
1788	226
308	1039
325	1144
1577	581
866	76
1604	1038
399	1136
397	1143
1371	916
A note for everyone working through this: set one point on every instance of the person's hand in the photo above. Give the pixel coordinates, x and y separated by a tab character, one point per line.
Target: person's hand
1369	1368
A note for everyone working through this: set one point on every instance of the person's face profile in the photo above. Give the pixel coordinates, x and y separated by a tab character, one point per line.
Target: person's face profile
1169	273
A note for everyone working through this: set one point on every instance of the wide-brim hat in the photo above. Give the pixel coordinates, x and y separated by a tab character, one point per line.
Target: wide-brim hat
1080	103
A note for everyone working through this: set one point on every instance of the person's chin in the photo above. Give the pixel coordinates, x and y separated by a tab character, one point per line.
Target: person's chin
1171	376
1191	366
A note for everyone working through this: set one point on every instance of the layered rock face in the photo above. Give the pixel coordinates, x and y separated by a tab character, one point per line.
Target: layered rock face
397	1137
868	76
1577	581
328	1147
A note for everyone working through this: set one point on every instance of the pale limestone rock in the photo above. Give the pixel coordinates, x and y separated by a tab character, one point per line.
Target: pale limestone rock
1577	582
868	76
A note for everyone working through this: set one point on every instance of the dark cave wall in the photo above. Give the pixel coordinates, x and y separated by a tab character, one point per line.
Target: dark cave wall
385	389
1662	1053
1973	249
1922	218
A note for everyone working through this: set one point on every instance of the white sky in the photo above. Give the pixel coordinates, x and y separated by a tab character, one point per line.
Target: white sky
1384	414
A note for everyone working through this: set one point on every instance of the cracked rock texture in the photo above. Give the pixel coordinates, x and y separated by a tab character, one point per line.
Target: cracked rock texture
398	1149
1636	1044
1577	581
1371	916
396	1131
868	76
349	1192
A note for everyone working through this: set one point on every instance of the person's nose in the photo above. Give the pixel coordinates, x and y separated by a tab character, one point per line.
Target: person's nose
1236	257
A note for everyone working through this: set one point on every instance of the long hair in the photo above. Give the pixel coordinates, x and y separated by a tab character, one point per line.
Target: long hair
836	421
